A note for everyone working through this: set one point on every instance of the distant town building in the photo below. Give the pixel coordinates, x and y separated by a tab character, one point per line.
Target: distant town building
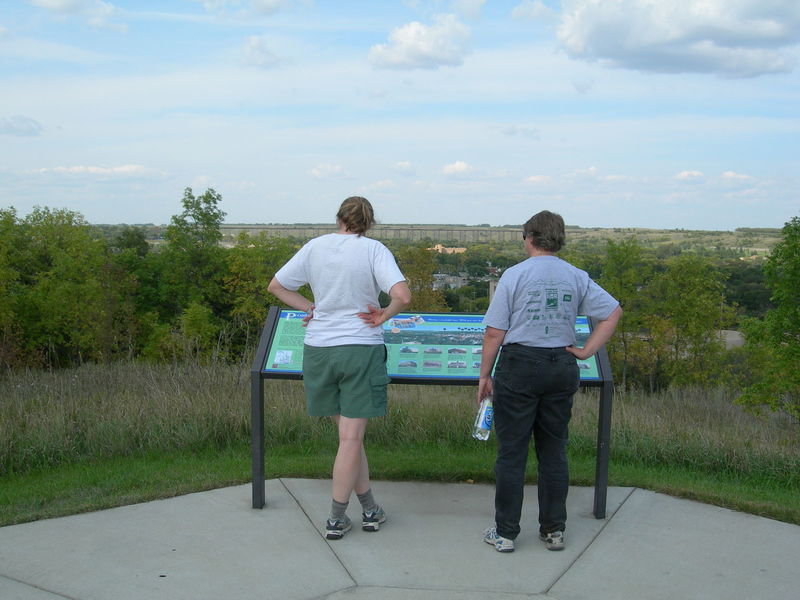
443	281
445	250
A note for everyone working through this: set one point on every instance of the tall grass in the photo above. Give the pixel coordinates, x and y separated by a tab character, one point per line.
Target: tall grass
106	411
102	411
700	429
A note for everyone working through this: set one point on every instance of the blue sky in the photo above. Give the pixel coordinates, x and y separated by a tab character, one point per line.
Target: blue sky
615	113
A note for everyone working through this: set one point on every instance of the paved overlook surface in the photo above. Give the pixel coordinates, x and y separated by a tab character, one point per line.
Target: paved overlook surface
214	546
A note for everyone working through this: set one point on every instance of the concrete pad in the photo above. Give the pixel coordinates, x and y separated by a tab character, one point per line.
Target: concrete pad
379	593
213	545
14	590
208	545
432	539
659	547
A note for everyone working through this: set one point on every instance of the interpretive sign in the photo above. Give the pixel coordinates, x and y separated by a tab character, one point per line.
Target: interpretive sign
422	348
429	347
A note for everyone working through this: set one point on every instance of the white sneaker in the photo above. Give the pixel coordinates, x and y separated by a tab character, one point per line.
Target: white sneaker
554	540
500	543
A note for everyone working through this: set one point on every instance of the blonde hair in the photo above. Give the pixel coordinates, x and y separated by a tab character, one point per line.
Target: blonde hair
356	215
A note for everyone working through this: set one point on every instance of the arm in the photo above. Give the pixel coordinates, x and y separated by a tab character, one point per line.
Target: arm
492	340
292	298
601	334
400	298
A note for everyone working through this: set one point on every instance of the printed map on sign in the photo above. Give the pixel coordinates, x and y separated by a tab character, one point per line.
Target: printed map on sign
419	346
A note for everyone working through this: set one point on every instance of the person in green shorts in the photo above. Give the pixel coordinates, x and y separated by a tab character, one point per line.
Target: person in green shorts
344	358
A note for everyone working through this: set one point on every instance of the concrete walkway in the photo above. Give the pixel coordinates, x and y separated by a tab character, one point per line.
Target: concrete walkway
213	546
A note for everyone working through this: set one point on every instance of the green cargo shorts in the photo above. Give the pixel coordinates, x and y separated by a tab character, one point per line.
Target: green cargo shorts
347	380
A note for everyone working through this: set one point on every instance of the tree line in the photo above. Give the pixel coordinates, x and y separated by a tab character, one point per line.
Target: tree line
69	294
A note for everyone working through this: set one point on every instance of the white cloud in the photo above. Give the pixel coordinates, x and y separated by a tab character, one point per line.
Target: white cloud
528	132
27	49
327	171
586	173
531	9
538	179
418	46
746	38
96	12
404	167
457	168
265	7
268	7
122	170
583	87
200	182
257	53
211	5
3	32
61	6
376	187
468	8
20	125
733	176
689	175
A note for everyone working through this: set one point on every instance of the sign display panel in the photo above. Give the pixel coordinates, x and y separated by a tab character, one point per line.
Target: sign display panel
420	346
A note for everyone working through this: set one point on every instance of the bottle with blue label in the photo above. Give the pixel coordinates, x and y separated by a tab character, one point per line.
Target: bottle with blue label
483	420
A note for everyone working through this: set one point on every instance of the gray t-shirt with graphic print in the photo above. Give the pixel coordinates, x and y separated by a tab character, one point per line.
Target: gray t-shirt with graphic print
537	301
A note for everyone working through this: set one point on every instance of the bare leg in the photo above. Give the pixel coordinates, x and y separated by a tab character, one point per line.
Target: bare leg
362	483
350	469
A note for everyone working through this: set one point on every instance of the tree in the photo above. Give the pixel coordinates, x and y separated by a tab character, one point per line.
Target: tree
625	273
191	266
418	264
198	330
252	264
132	239
686	309
69	302
745	287
10	343
198	224
773	343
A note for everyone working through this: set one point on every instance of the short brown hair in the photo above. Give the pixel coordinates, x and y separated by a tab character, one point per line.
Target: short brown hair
546	231
356	214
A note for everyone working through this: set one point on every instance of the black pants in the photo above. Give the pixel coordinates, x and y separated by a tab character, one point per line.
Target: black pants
533	390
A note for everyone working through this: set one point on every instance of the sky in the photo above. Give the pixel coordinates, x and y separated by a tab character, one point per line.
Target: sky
674	114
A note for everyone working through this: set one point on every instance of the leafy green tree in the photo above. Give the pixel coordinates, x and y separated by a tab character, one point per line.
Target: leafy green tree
774	342
469	298
10	343
685	312
132	239
746	288
191	266
70	304
252	264
199	223
625	273
418	264
199	330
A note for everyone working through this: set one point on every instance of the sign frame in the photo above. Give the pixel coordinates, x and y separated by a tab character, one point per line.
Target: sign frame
422	348
279	335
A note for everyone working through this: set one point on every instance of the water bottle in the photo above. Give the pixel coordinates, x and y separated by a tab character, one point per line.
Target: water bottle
483	420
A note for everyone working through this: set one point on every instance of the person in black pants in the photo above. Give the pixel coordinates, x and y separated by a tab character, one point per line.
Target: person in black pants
530	322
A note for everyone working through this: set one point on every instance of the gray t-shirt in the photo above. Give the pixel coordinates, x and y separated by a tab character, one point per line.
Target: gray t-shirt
346	273
536	302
